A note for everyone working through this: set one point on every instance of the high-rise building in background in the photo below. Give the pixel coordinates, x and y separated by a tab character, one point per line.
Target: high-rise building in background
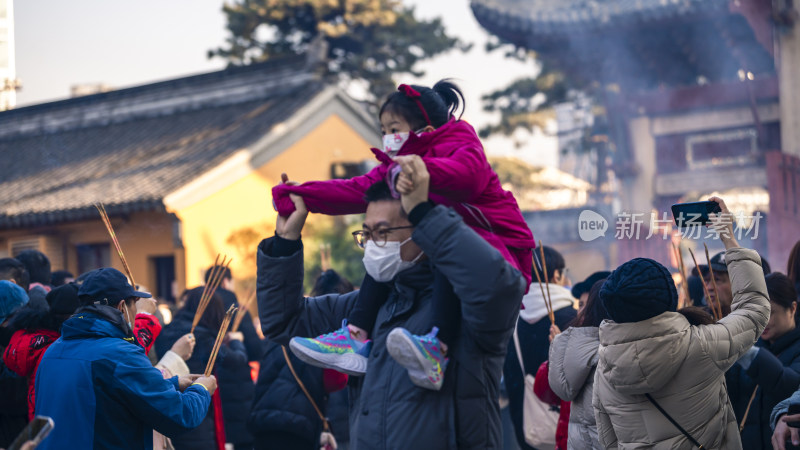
8	74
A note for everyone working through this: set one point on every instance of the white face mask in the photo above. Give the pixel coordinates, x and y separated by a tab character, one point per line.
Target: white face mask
384	263
392	143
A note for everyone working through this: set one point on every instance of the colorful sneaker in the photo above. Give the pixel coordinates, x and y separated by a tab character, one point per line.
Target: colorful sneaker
420	355
336	350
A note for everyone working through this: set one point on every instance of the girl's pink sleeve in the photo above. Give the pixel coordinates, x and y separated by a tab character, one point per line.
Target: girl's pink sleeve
460	177
332	197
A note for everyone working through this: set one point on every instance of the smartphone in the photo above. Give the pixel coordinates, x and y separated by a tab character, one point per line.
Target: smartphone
35	431
693	214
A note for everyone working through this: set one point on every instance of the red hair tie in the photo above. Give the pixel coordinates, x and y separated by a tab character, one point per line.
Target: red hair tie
413	94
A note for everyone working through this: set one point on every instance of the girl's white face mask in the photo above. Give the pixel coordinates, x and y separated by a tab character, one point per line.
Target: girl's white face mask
392	143
384	263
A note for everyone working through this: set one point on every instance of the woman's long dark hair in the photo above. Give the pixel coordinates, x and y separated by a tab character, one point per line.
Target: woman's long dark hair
215	311
592	314
781	290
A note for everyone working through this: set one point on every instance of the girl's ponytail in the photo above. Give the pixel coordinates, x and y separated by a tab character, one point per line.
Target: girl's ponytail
421	106
451	95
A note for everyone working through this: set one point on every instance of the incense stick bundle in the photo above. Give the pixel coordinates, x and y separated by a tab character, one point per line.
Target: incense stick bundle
546	297
682	268
107	222
223	330
713	280
214	280
539	279
705	289
243	308
547	284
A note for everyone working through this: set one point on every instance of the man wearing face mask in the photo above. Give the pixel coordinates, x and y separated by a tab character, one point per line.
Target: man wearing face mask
99	387
389	410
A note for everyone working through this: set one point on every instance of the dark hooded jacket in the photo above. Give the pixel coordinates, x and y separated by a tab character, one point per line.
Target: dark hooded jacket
103	392
388	410
776	372
280	409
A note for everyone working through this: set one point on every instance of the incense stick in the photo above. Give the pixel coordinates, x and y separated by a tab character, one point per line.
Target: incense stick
685	283
107	222
705	288
713	281
548	303
539	279
223	330
243	308
547	285
216	274
747	411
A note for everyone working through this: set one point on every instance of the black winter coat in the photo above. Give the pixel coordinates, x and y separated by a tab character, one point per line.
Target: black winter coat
388	410
534	340
251	340
776	372
13	397
231	362
280	408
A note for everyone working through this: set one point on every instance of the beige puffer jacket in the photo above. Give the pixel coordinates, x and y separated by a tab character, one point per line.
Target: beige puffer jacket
573	359
681	366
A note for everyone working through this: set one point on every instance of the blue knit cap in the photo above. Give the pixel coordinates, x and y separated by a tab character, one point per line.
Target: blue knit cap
11	298
638	290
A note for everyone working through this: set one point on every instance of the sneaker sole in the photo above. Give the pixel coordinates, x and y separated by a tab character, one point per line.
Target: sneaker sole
351	364
404	351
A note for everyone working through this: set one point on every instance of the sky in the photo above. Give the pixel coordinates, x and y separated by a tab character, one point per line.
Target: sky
123	44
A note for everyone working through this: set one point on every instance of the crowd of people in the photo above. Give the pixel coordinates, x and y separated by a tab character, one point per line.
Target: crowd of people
455	309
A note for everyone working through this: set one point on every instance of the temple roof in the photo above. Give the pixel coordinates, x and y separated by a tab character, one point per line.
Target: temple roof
643	44
132	147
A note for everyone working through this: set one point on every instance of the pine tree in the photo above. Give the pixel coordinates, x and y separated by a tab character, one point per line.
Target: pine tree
366	41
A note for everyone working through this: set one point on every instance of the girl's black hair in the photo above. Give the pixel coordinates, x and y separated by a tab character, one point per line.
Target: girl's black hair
593	312
552	259
781	290
214	313
440	102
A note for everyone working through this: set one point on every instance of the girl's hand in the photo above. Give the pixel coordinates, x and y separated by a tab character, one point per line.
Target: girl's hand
554	331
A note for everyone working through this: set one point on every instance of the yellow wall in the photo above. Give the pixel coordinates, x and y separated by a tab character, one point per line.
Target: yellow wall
208	223
142	236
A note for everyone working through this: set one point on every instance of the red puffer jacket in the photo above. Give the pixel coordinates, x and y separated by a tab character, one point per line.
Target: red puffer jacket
541	387
23	354
26	349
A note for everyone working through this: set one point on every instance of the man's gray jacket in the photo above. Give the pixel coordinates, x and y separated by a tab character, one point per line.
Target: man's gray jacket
388	411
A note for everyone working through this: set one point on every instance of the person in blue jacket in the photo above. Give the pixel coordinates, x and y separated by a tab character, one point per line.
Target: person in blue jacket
99	387
770	371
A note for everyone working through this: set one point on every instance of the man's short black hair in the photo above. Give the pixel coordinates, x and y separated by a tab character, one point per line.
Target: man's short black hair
12	269
380	192
38	265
